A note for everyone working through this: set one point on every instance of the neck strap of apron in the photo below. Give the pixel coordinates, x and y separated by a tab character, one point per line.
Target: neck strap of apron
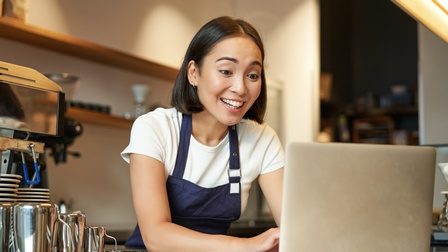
234	159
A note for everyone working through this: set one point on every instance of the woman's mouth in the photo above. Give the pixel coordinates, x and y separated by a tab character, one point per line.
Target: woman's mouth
231	103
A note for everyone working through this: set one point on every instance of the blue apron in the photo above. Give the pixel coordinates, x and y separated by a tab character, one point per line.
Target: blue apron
207	210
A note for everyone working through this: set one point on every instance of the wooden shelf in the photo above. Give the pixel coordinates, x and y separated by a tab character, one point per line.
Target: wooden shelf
86	116
385	112
35	36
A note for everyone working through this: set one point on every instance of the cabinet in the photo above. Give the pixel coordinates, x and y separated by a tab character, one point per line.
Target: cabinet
18	31
385	126
375	130
360	50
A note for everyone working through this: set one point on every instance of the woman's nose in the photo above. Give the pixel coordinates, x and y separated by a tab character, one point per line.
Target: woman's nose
239	86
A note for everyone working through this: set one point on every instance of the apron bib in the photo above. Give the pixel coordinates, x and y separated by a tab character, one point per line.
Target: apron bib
207	210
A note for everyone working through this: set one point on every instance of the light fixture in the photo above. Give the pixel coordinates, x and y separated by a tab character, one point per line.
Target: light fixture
431	13
442	4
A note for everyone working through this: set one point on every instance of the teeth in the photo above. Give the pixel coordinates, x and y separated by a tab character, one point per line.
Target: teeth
232	103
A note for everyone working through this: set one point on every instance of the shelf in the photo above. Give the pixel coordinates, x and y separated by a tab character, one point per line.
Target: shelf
35	36
384	112
373	130
86	116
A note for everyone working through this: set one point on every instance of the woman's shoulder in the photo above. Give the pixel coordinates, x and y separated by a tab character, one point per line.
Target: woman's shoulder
252	127
160	115
160	118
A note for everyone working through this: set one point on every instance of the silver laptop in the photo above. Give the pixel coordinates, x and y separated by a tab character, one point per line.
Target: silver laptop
357	197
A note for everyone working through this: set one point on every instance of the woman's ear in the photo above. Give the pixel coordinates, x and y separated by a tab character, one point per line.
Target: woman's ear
192	72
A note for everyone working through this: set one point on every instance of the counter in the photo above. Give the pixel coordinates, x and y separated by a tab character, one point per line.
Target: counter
110	248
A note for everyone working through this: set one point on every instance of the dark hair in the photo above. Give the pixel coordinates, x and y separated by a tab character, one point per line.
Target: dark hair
184	96
9	104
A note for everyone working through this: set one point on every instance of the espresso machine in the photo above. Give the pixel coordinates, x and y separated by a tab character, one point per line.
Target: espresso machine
31	107
32	120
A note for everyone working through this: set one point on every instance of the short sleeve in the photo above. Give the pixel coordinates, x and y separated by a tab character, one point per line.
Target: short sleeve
274	156
152	134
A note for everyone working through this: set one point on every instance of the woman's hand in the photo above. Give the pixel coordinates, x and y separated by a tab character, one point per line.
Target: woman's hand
265	242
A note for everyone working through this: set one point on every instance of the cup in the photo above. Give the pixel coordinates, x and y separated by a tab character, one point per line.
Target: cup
33	226
70	232
5	227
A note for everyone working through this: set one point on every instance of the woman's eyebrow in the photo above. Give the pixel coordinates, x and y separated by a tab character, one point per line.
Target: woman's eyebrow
255	62
227	58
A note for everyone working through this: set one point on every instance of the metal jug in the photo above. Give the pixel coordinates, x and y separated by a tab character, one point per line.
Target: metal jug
33	226
5	227
70	232
94	239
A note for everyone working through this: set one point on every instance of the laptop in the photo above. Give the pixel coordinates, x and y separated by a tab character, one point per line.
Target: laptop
348	197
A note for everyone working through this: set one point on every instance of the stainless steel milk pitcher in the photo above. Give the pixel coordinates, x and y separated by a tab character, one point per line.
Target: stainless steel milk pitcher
5	227
33	226
94	239
70	232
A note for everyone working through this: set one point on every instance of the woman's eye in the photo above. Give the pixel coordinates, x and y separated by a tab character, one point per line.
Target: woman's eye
253	76
225	72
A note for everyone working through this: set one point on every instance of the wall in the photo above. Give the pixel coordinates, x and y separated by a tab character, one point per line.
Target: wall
433	85
336	47
368	46
291	36
384	47
98	183
156	30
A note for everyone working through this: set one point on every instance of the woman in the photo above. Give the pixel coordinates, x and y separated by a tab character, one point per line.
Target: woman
192	165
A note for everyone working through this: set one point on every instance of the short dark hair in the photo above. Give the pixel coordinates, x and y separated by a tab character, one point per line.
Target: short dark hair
9	103
184	96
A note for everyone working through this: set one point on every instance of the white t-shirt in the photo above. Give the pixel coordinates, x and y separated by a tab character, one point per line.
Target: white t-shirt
156	134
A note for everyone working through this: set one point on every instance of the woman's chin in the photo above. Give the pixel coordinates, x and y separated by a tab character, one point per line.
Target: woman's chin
231	121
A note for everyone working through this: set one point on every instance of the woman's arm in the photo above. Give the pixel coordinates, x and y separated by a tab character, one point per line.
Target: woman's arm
271	184
151	206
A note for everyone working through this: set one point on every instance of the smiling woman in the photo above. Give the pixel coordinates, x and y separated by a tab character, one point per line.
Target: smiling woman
228	86
192	165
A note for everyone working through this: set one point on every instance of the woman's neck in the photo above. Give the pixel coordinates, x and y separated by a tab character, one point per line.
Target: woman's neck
207	130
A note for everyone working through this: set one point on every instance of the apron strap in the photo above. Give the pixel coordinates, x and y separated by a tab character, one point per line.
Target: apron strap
184	144
234	162
234	159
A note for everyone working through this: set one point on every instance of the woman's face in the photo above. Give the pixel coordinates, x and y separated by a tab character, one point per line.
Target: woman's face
229	80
